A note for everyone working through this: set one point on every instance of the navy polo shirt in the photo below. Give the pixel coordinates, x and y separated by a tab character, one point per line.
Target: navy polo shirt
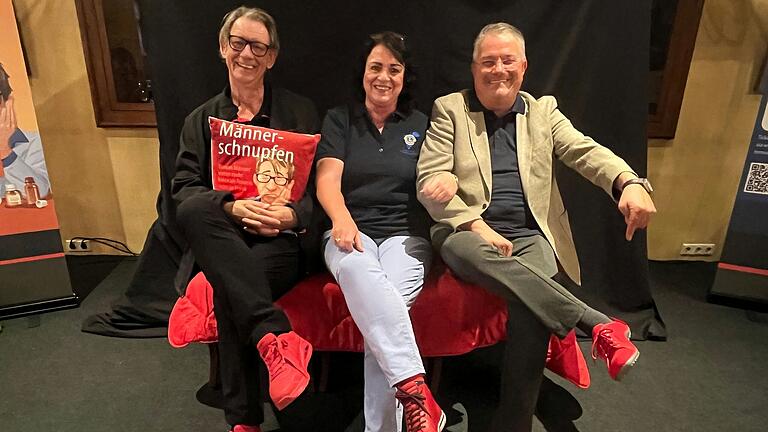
508	212
379	179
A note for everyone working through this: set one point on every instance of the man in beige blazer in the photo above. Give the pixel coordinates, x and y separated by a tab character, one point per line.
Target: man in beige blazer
486	175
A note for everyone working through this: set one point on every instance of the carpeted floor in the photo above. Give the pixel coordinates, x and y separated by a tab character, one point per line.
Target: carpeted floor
706	377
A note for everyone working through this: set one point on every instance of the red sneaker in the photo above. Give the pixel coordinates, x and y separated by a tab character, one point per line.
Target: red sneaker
564	358
611	342
243	428
422	413
287	357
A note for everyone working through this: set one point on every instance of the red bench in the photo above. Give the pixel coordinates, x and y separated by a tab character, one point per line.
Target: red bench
449	318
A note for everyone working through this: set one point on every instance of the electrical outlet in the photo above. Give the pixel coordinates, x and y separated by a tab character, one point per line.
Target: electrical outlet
697	249
77	245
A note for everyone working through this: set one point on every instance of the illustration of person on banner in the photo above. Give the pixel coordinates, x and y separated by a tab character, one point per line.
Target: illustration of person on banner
21	152
233	148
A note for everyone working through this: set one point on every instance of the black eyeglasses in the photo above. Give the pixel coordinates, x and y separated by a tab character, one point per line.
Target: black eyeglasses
259	49
265	178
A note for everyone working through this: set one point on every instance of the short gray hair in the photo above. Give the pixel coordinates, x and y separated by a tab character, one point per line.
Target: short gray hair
498	28
255	14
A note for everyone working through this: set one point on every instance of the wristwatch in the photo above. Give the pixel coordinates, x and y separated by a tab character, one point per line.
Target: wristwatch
641	181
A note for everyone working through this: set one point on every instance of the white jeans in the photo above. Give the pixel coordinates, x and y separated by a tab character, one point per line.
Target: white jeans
379	286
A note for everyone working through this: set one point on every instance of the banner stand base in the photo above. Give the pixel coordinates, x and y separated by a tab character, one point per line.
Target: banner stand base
741	287
61	303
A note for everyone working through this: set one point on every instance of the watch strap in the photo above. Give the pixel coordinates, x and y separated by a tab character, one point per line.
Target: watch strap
640	181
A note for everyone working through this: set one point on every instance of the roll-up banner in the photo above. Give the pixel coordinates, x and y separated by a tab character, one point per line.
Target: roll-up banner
742	273
33	272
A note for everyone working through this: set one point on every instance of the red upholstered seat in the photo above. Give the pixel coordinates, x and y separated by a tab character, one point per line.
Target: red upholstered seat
449	317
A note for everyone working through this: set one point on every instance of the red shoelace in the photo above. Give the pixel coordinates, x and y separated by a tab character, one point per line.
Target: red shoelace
415	410
604	342
274	359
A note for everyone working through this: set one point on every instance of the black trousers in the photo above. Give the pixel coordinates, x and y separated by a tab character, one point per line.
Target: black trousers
538	306
247	273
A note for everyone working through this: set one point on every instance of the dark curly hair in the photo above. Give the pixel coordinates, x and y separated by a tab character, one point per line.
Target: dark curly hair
398	46
5	85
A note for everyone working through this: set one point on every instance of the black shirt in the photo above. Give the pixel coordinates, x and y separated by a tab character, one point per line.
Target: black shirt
379	179
508	212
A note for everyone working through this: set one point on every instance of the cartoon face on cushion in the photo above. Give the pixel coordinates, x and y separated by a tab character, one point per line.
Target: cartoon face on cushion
274	181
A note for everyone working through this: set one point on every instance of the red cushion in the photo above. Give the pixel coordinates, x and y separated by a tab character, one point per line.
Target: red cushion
449	317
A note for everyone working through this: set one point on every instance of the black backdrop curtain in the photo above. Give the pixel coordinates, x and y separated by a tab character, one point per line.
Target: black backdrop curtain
591	54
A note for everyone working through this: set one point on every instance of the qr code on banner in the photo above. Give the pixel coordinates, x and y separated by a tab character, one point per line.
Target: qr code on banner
757	179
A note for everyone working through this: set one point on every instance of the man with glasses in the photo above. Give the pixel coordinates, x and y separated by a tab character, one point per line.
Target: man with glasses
248	249
486	175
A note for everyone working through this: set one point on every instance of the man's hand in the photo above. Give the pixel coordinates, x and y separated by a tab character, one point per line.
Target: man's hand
261	218
346	235
282	213
637	207
7	126
440	188
488	234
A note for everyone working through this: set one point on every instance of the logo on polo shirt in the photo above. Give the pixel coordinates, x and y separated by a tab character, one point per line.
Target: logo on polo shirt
410	141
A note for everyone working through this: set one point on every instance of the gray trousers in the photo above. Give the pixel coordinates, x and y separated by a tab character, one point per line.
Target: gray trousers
538	306
379	286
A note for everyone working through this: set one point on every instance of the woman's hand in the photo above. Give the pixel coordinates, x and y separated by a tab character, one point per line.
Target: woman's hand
346	236
344	232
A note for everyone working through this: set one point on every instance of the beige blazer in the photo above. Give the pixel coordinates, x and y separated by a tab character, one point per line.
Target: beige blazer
457	143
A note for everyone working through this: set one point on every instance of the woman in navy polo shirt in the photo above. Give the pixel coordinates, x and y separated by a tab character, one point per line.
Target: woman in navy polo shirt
378	248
